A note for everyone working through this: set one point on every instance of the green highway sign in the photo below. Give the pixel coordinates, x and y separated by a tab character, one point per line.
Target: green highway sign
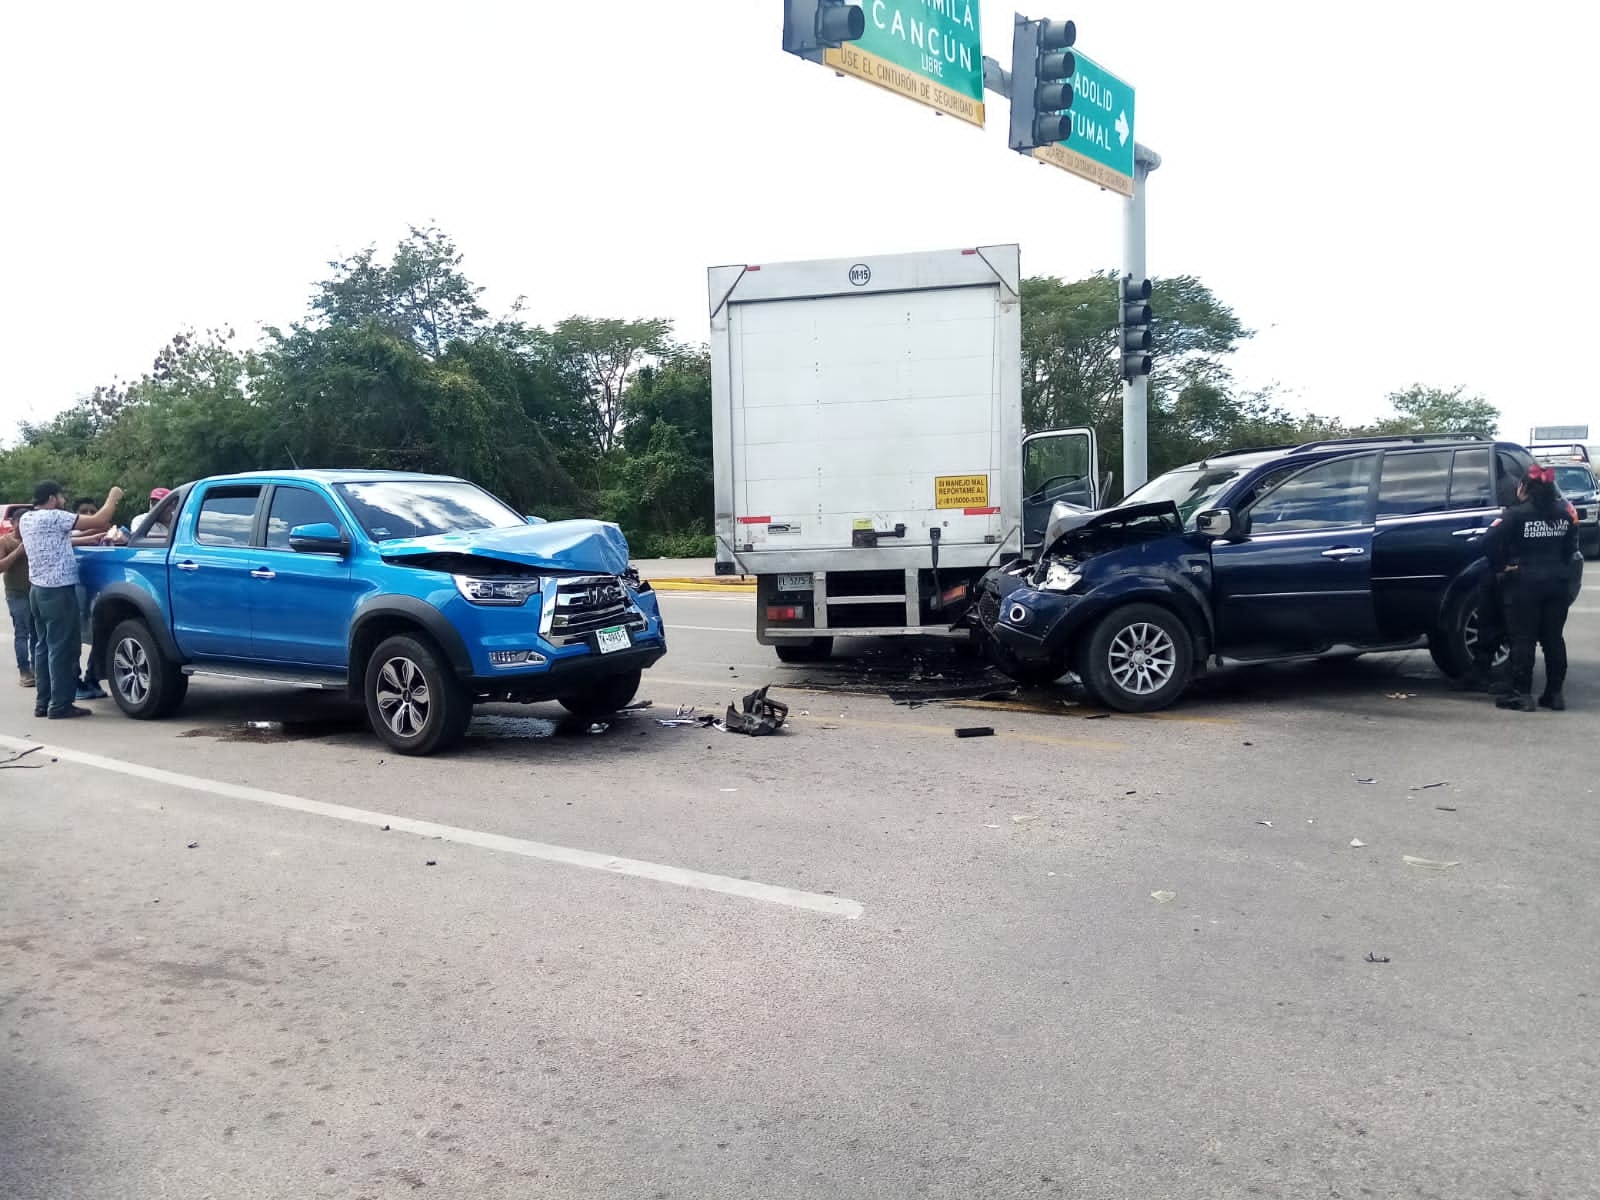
1101	146
926	50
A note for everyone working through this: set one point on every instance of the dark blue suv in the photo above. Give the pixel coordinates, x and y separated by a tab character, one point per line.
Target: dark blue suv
1331	548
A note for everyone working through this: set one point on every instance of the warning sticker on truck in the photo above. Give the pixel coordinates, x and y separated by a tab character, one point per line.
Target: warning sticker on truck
961	491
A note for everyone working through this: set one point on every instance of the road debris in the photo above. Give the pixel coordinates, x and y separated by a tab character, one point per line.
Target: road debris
1359	779
432	862
757	715
1445	807
686	717
194	845
1377	958
1357	843
1428	787
637	706
15	761
1431	864
1098	717
972	731
1019	818
1268	824
1163	897
385	829
1401	695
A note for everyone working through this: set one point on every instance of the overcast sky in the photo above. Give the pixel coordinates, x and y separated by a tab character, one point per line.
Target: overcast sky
1392	197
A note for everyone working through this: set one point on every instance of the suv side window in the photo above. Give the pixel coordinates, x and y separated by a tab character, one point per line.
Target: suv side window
157	530
1332	495
1412	483
1469	480
293	506
227	516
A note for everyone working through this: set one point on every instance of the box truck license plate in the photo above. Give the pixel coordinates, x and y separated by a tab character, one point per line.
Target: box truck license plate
615	638
794	583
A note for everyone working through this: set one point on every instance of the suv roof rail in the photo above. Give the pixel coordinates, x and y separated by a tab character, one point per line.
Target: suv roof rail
1242	450
1392	439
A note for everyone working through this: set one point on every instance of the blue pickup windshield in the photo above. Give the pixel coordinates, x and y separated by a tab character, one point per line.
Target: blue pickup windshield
397	508
1574	481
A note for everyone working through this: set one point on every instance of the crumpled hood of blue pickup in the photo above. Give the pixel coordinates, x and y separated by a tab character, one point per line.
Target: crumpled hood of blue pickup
587	546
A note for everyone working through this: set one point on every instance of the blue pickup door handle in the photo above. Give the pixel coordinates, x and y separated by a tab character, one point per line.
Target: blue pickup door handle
188	565
263	573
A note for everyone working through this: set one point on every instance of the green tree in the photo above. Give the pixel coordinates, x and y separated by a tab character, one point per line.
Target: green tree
605	354
1420	409
420	294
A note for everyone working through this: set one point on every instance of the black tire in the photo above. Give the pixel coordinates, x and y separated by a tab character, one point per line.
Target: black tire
604	698
1451	645
1115	674
815	650
414	704
1591	549
1027	673
145	683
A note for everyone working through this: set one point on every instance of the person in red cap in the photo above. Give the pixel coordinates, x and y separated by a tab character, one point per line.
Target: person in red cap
1531	549
157	495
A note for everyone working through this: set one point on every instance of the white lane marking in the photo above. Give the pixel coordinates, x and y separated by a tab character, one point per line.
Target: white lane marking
834	906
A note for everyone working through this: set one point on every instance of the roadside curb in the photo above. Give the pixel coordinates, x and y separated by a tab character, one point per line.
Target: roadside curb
712	584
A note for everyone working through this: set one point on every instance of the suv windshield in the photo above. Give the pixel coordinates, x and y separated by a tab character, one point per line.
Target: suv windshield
410	509
1574	480
1190	488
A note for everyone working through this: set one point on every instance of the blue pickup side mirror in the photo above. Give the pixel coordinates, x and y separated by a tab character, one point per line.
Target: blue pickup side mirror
532	520
323	537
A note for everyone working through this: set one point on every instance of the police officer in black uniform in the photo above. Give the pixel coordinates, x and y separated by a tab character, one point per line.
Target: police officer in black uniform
1491	616
1530	549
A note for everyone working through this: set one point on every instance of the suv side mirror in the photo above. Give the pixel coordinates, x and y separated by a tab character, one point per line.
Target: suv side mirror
1224	523
1216	523
533	520
323	537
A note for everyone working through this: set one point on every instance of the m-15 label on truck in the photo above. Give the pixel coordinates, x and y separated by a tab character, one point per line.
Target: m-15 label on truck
961	491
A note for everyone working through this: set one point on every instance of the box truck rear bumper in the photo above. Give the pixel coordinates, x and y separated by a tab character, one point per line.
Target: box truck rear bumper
800	606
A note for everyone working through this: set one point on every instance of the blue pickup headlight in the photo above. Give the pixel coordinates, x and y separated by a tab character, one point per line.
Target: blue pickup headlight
505	592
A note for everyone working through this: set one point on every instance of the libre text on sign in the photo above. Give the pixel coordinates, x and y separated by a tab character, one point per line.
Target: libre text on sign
926	50
1101	146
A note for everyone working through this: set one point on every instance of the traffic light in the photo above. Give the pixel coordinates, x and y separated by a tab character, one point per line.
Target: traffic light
1042	66
1133	323
810	26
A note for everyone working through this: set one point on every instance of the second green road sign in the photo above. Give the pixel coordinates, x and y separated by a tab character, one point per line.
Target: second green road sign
1101	146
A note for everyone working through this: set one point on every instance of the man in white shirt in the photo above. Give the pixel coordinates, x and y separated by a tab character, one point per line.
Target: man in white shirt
157	495
46	533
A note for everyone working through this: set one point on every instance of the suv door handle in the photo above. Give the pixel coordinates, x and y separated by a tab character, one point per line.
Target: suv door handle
188	564
1343	552
263	573
1470	533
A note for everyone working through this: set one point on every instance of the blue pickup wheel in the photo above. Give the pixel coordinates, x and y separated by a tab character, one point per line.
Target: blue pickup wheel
415	705
145	683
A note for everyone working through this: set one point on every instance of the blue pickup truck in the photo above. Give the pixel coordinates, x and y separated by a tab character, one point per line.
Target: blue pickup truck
418	595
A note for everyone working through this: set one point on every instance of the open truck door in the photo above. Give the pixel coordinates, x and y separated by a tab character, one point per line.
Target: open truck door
1058	465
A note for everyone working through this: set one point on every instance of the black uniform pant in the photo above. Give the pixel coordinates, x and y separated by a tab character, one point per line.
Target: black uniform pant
1536	614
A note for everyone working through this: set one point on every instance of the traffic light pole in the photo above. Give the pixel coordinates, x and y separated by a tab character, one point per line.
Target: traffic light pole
1136	391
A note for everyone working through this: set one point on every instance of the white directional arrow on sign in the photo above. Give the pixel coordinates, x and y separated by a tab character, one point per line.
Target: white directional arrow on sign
1122	129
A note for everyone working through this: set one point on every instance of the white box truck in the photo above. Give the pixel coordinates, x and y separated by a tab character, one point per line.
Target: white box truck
869	451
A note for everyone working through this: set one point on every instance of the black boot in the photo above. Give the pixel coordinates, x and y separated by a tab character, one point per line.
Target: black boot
1554	701
1516	702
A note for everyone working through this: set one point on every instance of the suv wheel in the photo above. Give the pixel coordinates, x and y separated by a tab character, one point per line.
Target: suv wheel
604	698
413	702
145	683
1453	643
1138	659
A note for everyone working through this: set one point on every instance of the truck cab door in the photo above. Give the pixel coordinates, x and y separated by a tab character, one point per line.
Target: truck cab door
1057	465
209	571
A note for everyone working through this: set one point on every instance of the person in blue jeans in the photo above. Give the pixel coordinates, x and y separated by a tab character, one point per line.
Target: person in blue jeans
89	678
46	533
14	565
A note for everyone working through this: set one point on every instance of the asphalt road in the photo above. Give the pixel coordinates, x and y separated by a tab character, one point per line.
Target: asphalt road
1083	957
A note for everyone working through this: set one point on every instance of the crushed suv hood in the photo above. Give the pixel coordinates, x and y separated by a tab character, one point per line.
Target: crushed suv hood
1067	520
585	546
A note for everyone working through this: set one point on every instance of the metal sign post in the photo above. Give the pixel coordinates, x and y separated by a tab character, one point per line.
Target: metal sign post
1136	390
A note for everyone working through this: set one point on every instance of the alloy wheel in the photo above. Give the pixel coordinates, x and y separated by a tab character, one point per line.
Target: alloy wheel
1142	658
403	699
